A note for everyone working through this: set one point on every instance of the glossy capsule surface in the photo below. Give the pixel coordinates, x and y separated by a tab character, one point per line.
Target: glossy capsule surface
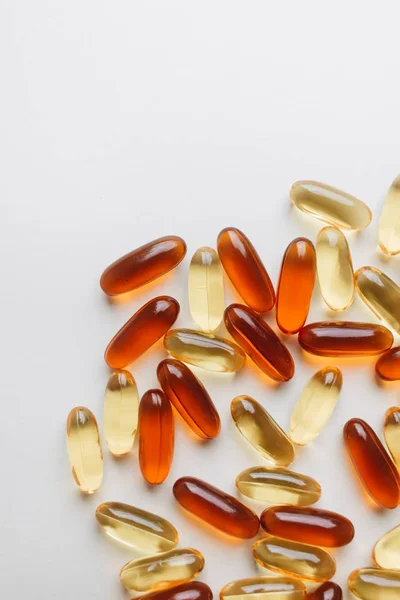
209	352
389	223
334	268
84	449
309	525
297	272
267	587
190	397
372	463
386	553
315	405
375	584
156	436
142	265
245	269
381	294
327	591
277	485
216	507
192	590
259	341
261	431
388	365
391	429
136	527
206	289
121	406
330	204
294	559
142	330
162	571
345	338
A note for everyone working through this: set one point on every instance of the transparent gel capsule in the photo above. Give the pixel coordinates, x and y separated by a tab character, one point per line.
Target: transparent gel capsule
84	450
334	268
386	553
267	587
121	405
206	289
391	430
389	223
375	584
136	527
380	294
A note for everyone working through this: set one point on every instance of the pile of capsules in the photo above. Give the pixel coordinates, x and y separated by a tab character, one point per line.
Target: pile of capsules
294	548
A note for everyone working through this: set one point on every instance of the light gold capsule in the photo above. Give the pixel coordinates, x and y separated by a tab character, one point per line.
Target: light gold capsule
391	429
334	268
269	587
206	289
135	527
389	223
261	431
375	584
84	450
315	405
380	293
121	405
162	570
386	553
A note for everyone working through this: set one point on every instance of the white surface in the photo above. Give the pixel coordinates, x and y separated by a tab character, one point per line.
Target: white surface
124	121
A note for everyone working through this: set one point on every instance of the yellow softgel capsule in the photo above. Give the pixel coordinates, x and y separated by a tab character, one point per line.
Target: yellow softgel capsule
121	406
261	431
375	584
277	485
268	587
136	527
206	289
389	223
391	429
315	405
386	553
334	268
294	559
380	293
84	450
162	570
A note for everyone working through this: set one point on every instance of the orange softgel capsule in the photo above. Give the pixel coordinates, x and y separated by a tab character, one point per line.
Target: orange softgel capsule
310	525
142	265
297	273
217	508
142	330
156	436
345	338
190	397
259	341
327	591
192	590
245	269
388	365
372	463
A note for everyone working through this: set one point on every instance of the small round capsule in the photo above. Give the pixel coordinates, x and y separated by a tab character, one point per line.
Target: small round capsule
391	430
121	406
380	294
334	268
84	449
375	584
388	365
192	590
269	587
386	552
206	289
326	591
389	231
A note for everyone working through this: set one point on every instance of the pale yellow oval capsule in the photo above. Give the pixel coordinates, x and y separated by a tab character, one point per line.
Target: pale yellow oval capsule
277	485
84	450
315	405
206	289
269	587
294	559
121	406
386	553
204	350
334	268
391	430
162	570
375	584
380	293
389	223
261	431
329	204
136	527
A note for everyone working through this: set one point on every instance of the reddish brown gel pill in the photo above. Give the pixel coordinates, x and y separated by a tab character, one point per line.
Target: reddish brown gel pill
192	590
245	269
388	365
259	341
345	338
216	507
372	463
142	265
190	397
327	591
142	330
309	525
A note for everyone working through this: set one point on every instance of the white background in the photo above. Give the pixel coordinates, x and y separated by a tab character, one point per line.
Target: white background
122	121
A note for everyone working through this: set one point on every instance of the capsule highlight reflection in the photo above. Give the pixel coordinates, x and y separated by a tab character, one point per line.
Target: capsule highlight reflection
386	553
121	406
334	268
391	431
326	591
389	230
192	590
206	289
375	584
345	338
84	449
380	294
267	587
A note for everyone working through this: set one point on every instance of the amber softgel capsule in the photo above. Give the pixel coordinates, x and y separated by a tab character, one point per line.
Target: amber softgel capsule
387	366
84	449
345	338
391	429
334	268
192	590
121	407
327	591
381	294
270	587
206	289
389	228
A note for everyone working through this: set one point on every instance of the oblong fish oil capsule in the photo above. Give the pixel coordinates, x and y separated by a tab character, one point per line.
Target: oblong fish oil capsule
209	352
334	268
375	584
389	223
381	294
162	570
391	429
136	527
388	365
315	405
386	552
84	449
267	587
206	289
261	431
121	406
294	559
327	591
330	204
192	590
277	485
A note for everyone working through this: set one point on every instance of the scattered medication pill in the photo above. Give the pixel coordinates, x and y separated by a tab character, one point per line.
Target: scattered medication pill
389	230
206	289
121	406
345	338
388	365
386	553
192	590
327	591
84	449
380	294
269	587
391	431
375	584
334	268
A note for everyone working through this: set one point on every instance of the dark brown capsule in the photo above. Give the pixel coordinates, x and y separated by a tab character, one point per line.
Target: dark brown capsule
345	338
192	590
327	591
